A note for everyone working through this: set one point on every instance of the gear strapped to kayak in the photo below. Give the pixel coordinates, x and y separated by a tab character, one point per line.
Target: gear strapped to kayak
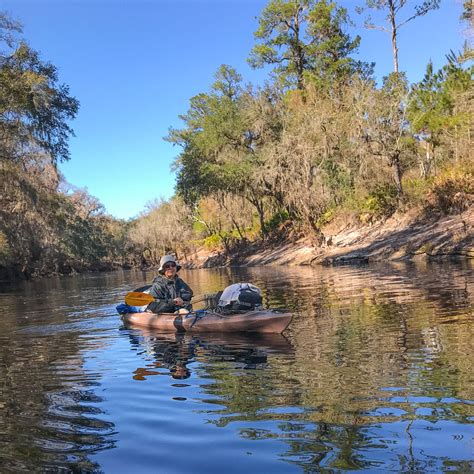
240	297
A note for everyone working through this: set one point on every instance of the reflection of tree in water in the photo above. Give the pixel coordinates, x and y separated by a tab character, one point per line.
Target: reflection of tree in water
369	349
49	411
49	425
372	348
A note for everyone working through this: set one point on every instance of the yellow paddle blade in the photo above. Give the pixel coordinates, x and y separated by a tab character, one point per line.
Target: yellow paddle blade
136	298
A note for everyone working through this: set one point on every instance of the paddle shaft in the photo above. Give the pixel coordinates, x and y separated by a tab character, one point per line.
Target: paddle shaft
138	298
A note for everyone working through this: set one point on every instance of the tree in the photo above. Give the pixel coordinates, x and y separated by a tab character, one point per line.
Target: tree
8	30
224	216
165	227
213	133
281	32
385	127
218	146
392	9
468	12
44	227
427	109
439	107
34	107
331	47
299	37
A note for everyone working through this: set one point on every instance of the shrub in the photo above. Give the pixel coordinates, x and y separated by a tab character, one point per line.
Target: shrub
6	257
453	191
213	242
382	202
326	217
276	220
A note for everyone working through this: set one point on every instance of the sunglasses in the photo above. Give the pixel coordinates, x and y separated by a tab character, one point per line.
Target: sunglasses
169	265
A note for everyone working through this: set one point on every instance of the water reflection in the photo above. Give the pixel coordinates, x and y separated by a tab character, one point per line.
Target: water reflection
50	413
173	354
374	373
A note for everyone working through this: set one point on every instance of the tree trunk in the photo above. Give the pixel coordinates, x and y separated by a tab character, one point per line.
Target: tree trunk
392	16
261	215
397	174
298	53
225	242
428	160
237	227
261	218
318	238
426	163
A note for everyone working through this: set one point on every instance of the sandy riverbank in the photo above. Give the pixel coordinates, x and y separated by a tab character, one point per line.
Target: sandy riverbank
401	237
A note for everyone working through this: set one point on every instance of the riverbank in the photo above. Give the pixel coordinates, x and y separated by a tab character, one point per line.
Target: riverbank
406	236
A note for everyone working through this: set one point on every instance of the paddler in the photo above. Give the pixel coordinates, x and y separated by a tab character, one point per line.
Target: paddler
169	290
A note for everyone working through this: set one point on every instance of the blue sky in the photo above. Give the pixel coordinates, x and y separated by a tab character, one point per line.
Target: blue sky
134	65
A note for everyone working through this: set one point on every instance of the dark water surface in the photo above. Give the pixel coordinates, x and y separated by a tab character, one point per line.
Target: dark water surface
375	373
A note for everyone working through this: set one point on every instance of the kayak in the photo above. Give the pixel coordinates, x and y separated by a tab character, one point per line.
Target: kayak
264	321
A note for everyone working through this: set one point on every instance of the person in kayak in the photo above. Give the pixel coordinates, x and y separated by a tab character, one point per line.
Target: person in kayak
170	291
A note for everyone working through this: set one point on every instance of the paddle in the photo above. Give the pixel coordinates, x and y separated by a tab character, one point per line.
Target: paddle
137	298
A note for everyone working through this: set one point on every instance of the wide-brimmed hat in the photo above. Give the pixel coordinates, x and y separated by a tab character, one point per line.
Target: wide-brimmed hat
167	259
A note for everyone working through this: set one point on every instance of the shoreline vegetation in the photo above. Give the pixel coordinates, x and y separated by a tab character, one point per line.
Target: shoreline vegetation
399	238
322	165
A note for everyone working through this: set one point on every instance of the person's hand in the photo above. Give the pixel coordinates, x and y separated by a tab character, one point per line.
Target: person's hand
178	301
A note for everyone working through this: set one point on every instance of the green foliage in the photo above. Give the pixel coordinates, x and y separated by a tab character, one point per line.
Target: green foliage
213	242
416	190
326	217
432	102
323	136
35	109
382	202
211	139
429	104
198	228
42	230
338	179
305	39
223	239
277	219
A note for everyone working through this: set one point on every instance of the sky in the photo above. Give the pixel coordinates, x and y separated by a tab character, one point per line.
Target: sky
134	64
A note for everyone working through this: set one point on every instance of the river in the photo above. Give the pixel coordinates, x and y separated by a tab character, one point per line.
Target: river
374	373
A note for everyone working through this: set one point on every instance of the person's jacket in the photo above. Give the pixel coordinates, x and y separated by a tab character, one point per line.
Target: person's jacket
165	291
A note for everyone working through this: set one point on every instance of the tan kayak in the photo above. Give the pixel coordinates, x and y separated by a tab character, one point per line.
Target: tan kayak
266	321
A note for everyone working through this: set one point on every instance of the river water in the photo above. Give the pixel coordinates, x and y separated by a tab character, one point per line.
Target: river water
375	373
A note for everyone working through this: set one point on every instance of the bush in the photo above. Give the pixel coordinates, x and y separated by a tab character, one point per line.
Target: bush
453	191
382	202
326	217
6	257
213	242
276	220
416	190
